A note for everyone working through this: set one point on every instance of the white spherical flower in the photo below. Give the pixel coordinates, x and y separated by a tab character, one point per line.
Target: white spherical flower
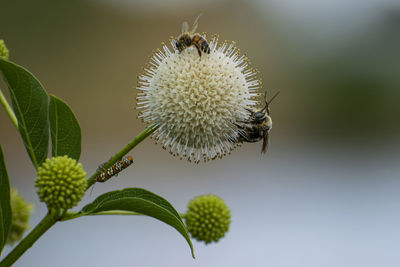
195	102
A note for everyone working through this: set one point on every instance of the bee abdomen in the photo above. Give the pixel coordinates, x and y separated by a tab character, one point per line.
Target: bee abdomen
201	43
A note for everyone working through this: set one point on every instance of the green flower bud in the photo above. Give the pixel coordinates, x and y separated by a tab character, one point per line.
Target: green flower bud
3	50
61	182
21	211
208	218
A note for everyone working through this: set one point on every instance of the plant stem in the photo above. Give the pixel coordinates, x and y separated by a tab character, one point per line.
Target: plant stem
148	131
8	109
49	220
28	241
73	215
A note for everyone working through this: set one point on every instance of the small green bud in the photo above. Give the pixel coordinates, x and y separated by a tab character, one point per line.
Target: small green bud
61	183
3	50
208	218
21	211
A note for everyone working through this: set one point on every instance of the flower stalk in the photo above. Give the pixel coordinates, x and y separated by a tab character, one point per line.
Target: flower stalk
143	135
76	214
48	221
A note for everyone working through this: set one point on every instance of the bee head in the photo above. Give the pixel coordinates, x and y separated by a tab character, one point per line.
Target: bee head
178	45
259	117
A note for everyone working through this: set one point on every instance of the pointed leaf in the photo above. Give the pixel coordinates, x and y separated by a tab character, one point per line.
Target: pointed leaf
141	201
5	207
65	130
30	104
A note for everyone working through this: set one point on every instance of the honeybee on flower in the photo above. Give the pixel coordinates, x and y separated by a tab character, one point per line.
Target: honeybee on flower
189	38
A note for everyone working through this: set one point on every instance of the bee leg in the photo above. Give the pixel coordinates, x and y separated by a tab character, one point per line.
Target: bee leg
249	110
238	125
198	50
242	122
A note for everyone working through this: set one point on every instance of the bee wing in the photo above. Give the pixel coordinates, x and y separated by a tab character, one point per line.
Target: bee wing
265	142
196	23
185	27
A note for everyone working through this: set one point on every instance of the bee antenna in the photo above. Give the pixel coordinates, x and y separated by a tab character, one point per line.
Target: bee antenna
272	98
197	19
196	23
266	108
266	103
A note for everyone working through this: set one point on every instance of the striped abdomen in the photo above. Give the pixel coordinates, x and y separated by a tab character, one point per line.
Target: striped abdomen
114	169
201	44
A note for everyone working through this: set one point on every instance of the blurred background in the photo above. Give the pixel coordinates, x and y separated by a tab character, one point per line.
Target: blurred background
326	194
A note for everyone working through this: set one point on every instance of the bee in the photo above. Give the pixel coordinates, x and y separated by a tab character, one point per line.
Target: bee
189	38
116	168
257	127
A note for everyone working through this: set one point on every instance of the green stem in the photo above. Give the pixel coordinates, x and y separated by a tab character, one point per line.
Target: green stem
28	241
73	215
49	220
148	131
8	109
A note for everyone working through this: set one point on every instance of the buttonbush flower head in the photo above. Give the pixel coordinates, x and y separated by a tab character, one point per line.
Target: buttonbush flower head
3	50
21	211
61	182
208	218
195	102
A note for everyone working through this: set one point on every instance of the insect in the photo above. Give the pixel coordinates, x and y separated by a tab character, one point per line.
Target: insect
189	38
114	169
258	126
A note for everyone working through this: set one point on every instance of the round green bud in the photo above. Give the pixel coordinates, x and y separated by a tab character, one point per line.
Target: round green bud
3	50
61	182
208	218
21	211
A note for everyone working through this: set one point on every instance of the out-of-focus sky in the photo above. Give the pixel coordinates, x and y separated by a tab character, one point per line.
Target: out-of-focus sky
326	194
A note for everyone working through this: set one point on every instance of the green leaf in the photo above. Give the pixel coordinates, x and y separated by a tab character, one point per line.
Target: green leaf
5	207
65	130
31	105
141	201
